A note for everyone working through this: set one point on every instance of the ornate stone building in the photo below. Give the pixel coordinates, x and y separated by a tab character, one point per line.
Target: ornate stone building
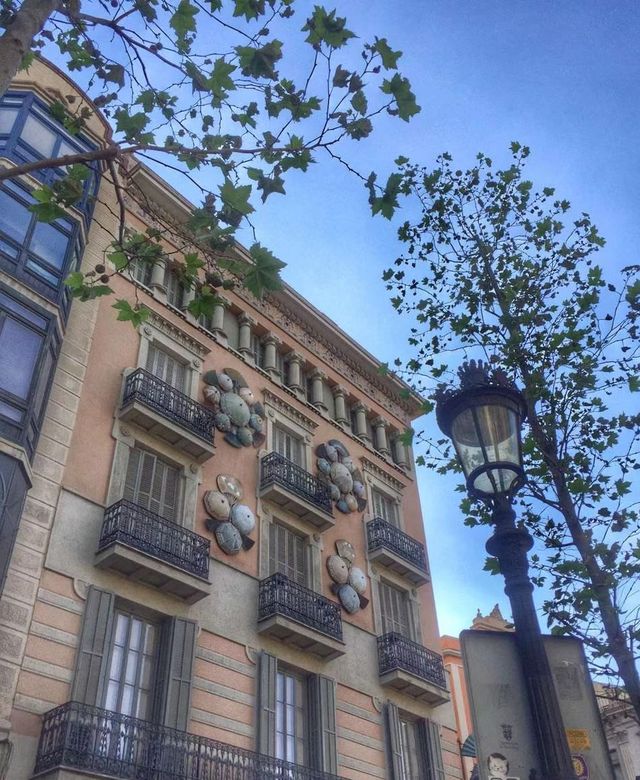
212	558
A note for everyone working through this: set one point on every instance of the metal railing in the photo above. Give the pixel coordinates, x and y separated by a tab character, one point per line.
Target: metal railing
278	595
143	530
147	389
397	652
93	740
381	534
275	468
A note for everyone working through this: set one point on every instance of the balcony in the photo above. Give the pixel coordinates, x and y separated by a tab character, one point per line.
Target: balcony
296	490
166	412
299	617
397	551
412	669
146	547
91	741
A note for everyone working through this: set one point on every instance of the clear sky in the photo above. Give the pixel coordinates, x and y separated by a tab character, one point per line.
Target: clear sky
562	77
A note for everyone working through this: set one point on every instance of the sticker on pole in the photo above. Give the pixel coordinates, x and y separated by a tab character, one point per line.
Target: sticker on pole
580	767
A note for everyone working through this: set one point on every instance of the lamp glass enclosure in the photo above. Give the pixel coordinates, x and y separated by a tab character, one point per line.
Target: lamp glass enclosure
486	435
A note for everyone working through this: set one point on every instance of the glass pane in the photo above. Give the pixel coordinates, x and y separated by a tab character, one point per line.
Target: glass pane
39	136
121	629
36	268
49	243
136	634
126	707
19	349
9	303
132	667
7	119
111	702
6	410
14	217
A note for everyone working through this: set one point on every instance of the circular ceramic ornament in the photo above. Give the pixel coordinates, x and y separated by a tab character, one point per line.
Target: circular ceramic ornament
222	422
230	486
247	396
212	396
335	492
341	477
245	436
358	489
331	452
229	538
338	569
324	466
217	504
236	408
256	422
346	550
357	580
225	382
351	502
349	599
243	519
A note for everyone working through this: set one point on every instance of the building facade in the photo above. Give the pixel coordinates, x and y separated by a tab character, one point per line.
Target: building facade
213	561
621	730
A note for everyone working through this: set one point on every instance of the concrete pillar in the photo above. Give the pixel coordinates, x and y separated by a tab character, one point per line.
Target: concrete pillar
380	435
361	422
157	276
317	389
294	378
271	343
245	323
339	393
217	317
400	453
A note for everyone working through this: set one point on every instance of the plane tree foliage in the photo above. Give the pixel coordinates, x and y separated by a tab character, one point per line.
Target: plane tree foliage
497	269
235	94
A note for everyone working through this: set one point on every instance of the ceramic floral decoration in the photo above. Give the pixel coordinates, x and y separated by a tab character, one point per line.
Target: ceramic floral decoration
349	582
239	415
337	470
230	521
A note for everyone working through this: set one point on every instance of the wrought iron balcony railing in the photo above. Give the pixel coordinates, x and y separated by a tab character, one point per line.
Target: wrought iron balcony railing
97	741
381	534
276	468
396	652
159	396
143	530
278	595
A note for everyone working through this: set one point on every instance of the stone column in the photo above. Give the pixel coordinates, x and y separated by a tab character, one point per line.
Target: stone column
339	393
157	276
245	323
361	422
294	378
380	435
217	317
400	453
271	343
317	389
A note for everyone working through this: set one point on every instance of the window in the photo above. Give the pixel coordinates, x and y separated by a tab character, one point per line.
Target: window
287	553
152	484
173	286
395	610
29	345
231	328
132	666
414	746
291	717
288	445
257	350
166	367
28	133
38	252
141	271
386	507
412	768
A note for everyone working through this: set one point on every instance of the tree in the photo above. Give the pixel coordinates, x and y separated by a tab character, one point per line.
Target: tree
495	269
197	85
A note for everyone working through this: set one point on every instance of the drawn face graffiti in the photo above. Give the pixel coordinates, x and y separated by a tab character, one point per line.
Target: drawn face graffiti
498	767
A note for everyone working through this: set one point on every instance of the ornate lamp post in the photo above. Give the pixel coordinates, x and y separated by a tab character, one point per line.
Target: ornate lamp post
483	418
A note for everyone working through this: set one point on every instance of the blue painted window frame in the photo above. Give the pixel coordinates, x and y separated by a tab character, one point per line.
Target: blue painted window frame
27	431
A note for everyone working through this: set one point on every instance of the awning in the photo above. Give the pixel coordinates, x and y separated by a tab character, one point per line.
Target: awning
469	747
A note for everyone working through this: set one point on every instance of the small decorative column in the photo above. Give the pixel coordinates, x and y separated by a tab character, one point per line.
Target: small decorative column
294	378
400	452
157	276
380	435
339	393
217	317
361	422
246	323
317	389
271	343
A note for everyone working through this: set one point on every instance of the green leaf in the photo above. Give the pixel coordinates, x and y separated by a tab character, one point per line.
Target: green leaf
259	62
387	55
406	437
135	314
405	100
264	274
341	77
359	102
220	82
250	9
183	23
326	27
236	198
634	384
130	124
386	203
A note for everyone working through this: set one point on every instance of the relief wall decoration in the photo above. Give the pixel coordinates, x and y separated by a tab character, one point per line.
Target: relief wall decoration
238	414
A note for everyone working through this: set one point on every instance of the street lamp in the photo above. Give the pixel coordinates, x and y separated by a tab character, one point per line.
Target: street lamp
483	418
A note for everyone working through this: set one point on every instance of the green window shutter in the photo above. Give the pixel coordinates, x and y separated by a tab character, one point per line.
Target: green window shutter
180	645
267	680
322	724
394	741
429	732
93	650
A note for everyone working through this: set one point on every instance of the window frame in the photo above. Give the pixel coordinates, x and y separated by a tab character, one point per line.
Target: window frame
303	551
408	606
385	496
301	712
178	511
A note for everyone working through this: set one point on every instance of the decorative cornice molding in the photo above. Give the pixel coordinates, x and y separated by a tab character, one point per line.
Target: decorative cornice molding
283	407
379	473
177	334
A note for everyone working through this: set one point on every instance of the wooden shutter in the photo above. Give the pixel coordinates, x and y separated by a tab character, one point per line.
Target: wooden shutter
395	610
394	740
287	553
288	445
322	724
166	367
266	699
173	287
152	484
93	650
180	645
429	733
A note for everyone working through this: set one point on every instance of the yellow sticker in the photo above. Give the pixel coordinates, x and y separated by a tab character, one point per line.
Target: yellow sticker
578	739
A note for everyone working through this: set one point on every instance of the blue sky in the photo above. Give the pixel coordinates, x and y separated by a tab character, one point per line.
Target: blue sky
562	77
